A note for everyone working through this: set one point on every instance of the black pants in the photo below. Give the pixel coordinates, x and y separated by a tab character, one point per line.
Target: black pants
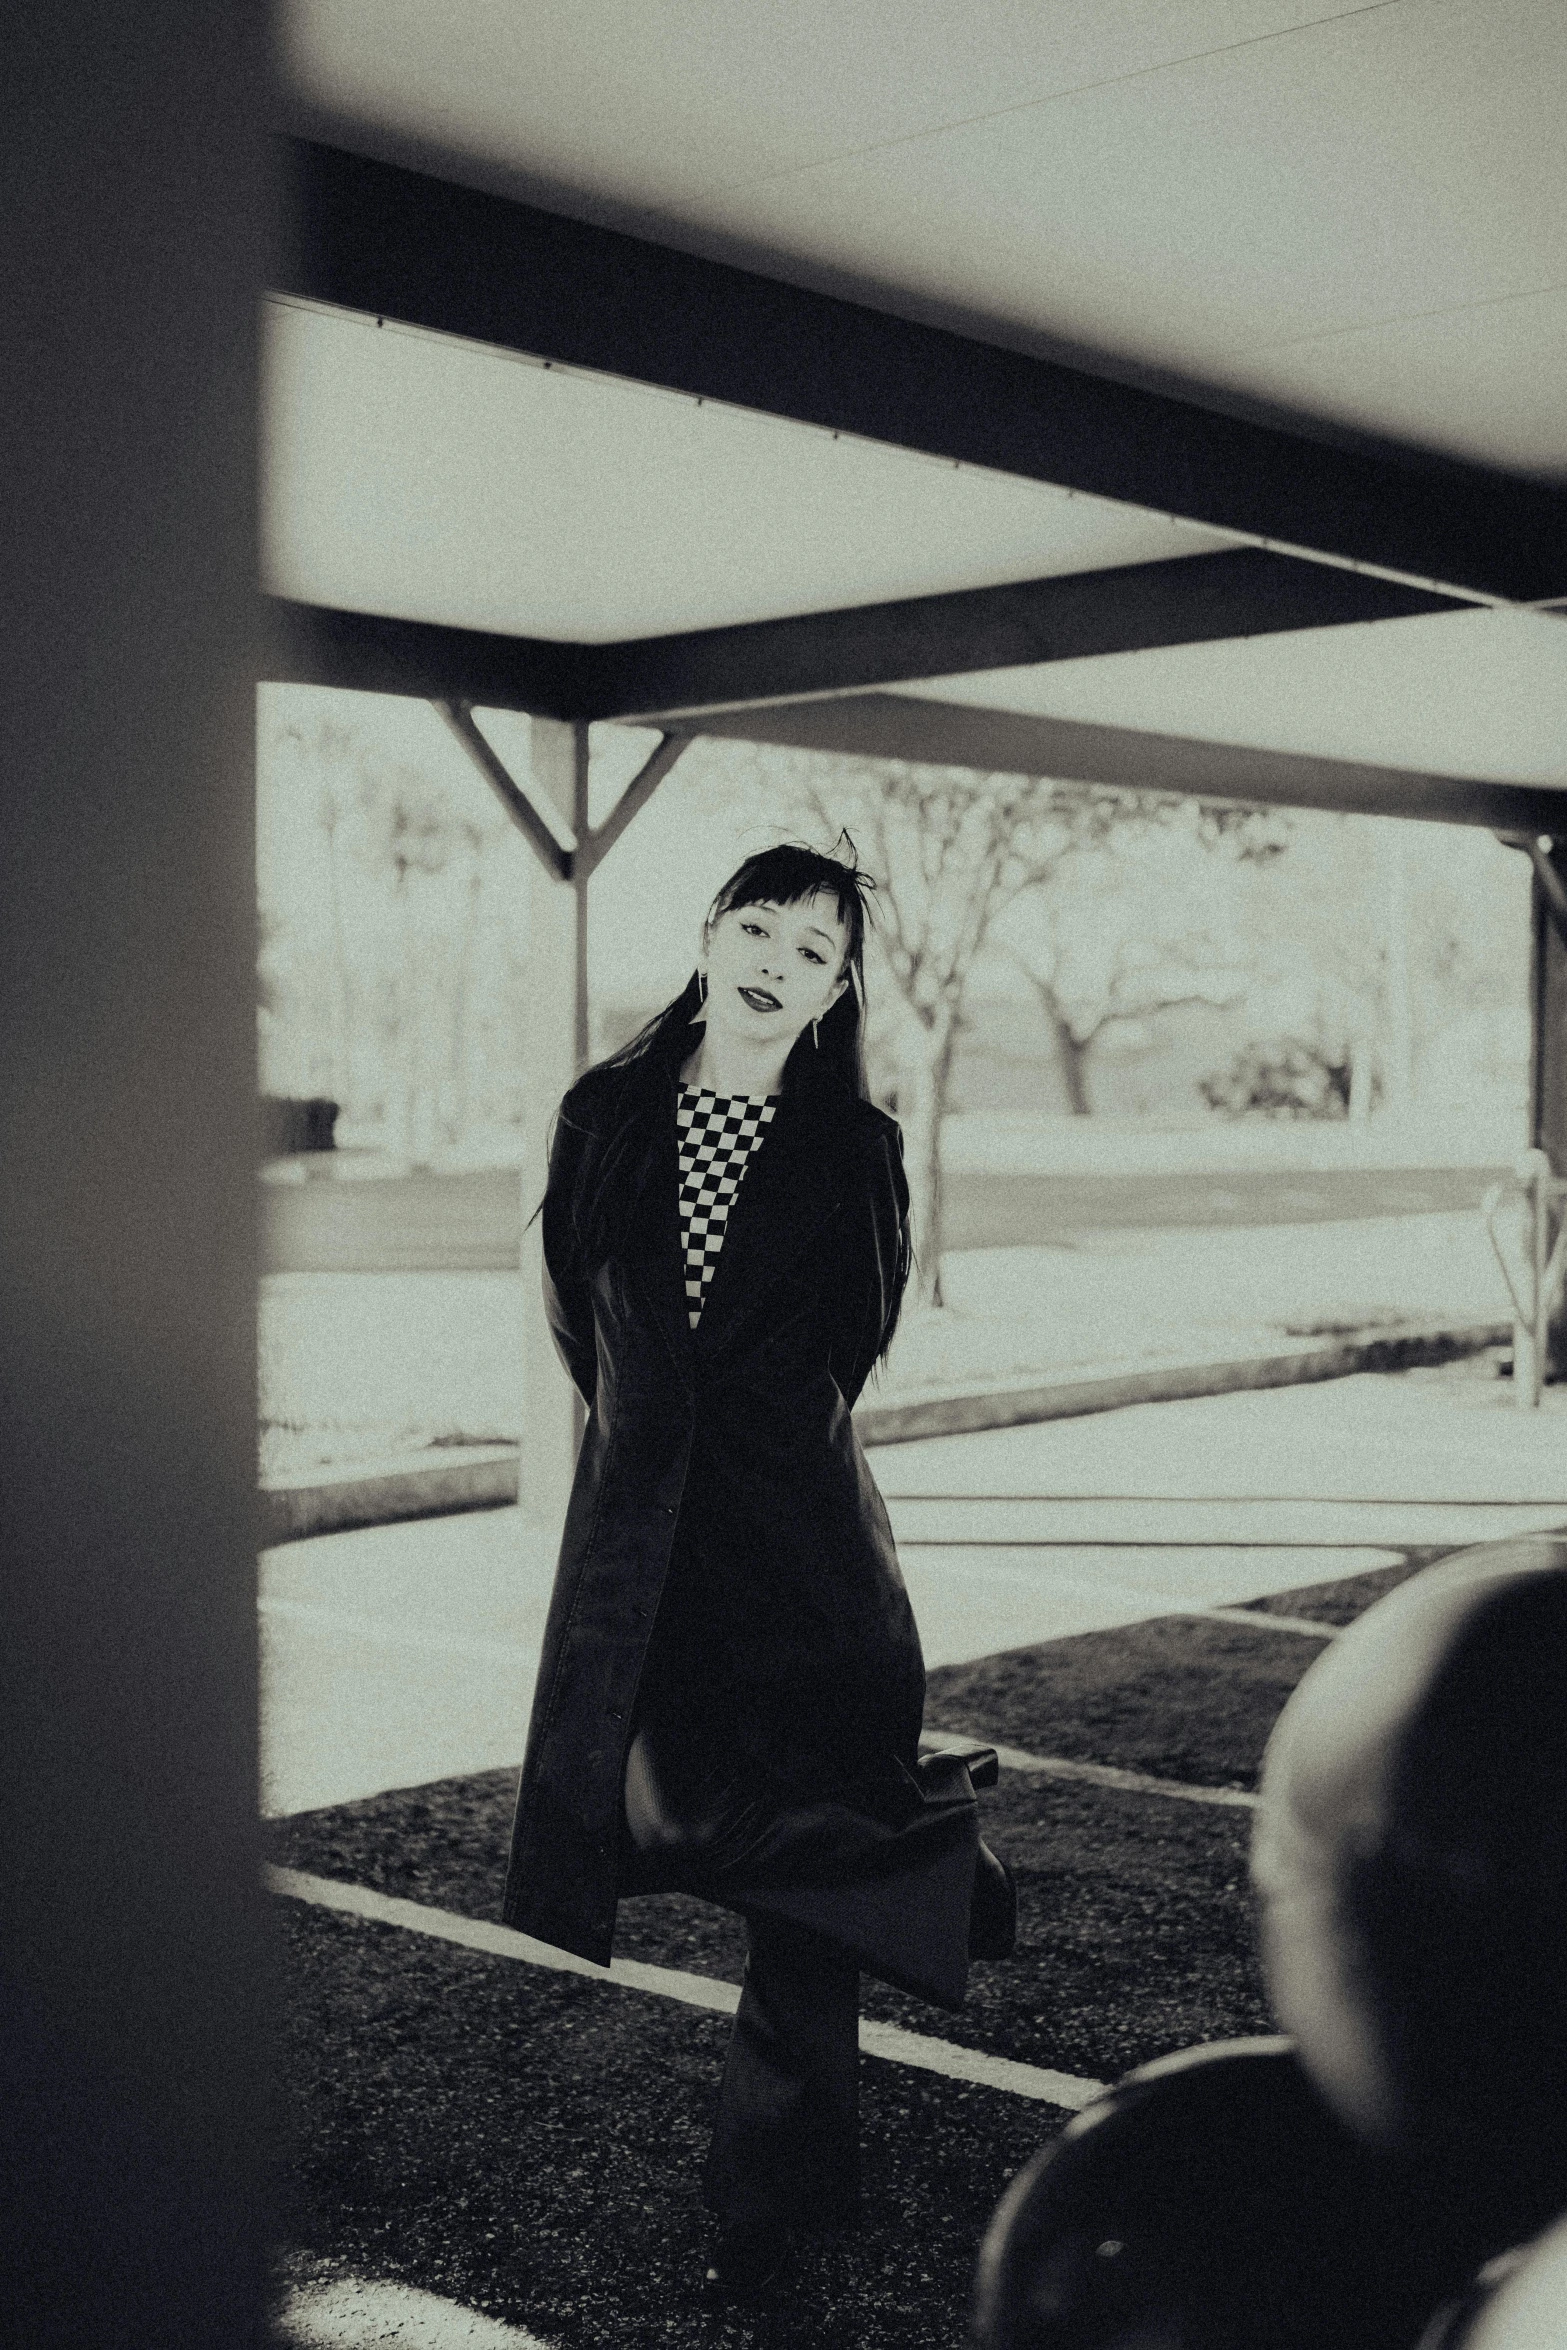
892	1891
786	2146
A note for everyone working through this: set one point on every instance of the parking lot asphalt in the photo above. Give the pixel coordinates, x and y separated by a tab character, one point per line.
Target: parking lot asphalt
471	1220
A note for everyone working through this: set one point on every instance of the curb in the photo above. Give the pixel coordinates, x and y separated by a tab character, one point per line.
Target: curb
485	1477
436	1484
1064	1397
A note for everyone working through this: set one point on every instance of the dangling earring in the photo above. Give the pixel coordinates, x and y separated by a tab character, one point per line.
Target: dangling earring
816	1035
701	987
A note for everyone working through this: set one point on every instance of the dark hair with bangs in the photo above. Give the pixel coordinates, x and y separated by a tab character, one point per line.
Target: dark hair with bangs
789	874
783	875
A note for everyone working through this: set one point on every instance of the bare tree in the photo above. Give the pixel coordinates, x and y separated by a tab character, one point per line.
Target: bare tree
1130	926
950	850
413	836
1334	942
331	749
1146	979
403	977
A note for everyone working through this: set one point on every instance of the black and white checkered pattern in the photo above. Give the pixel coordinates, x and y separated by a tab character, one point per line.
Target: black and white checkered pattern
717	1136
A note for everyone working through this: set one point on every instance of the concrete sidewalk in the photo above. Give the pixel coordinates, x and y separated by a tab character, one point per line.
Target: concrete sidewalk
404	1653
354	1362
443	1480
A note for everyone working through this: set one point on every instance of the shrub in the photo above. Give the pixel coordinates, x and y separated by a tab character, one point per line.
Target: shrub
1279	1077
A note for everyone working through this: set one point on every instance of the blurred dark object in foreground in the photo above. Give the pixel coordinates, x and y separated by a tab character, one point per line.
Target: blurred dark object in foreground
1518	2303
1412	1898
1356	2182
1211	2201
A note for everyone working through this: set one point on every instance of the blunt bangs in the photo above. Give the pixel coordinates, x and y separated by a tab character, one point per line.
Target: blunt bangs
792	875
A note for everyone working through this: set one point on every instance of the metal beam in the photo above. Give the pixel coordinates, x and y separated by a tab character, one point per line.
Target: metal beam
444	666
1134	607
368	653
578	864
953	734
556	860
636	795
377	238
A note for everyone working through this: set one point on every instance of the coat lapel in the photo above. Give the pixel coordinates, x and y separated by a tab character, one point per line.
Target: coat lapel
790	1189
792	1186
653	1247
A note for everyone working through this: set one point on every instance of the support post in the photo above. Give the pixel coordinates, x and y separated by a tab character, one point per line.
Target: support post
557	1045
1548	1035
582	864
554	1050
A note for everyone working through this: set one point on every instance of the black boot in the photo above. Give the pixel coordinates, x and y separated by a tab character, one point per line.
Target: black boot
749	2261
992	1925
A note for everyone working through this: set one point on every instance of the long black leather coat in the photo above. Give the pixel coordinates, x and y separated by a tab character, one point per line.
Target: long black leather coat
734	1443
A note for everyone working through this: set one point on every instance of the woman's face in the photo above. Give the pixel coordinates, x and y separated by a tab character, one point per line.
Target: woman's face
771	969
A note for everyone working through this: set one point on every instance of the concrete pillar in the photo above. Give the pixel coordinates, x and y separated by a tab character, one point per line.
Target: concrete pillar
554	1049
133	1927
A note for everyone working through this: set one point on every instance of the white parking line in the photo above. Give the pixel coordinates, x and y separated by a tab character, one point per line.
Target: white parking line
1067	2090
1256	1616
356	2313
1060	1766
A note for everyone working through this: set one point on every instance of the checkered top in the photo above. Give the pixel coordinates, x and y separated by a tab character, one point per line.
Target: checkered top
717	1136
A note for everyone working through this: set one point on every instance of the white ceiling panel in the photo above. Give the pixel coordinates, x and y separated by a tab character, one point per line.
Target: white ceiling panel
1480	693
1485	379
415	475
1263	197
658	101
1382	165
1403	162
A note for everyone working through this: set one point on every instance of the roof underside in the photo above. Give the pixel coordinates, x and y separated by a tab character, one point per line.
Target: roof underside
1131	373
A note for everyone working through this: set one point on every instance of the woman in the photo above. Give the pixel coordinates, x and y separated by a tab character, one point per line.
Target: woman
731	1690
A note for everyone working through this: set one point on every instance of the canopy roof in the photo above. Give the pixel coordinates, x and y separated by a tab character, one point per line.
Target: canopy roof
959	387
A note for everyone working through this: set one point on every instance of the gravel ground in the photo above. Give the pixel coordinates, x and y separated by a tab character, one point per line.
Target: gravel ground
1181	1697
1341	1603
529	2144
1134	1919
